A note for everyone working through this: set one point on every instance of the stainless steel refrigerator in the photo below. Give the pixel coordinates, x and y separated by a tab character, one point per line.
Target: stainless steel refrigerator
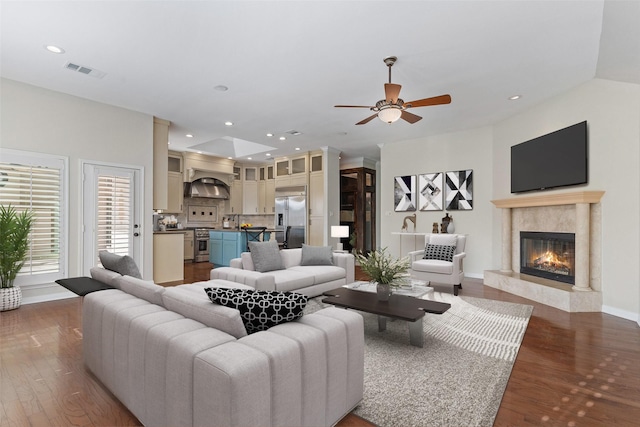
291	216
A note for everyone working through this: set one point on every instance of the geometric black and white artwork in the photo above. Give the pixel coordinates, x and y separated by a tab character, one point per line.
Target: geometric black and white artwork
404	193
430	191
459	190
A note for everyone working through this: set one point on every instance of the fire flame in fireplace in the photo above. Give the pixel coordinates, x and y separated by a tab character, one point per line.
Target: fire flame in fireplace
550	261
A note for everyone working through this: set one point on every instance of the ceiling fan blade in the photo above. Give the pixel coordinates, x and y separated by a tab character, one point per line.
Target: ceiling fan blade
391	92
436	100
351	106
368	119
410	117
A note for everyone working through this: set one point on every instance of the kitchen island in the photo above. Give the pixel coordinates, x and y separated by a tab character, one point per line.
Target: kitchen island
227	244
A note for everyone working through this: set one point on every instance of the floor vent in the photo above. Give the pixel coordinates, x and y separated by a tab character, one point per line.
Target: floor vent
84	70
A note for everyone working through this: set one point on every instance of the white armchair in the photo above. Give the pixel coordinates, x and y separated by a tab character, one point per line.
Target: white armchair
439	269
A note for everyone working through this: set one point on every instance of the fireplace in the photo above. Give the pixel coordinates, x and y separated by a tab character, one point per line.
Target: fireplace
548	255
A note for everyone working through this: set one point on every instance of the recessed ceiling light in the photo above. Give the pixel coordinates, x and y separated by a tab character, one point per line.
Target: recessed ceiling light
249	158
228	123
189	135
54	49
199	152
297	148
514	97
221	88
282	138
230	158
269	135
268	154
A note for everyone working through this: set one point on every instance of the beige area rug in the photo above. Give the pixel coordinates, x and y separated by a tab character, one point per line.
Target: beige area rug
457	378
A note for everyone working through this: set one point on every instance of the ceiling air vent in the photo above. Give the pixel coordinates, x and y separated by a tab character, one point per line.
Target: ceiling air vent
293	132
84	70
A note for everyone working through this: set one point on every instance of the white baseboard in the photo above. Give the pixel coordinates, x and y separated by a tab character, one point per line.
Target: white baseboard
629	315
474	275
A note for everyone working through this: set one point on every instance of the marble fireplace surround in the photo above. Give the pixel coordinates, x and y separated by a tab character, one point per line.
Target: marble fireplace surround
576	212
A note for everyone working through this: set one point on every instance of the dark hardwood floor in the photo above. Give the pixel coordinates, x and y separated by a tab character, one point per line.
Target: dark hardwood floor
579	369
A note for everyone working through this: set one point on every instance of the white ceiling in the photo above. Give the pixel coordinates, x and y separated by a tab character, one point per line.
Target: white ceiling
287	63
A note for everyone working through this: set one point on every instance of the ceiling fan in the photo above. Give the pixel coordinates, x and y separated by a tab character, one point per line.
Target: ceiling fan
393	108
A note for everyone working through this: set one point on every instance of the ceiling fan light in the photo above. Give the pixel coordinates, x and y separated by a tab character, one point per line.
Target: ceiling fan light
390	115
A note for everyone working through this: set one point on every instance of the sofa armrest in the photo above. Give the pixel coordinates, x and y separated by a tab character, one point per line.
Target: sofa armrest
348	262
236	263
255	279
457	261
416	255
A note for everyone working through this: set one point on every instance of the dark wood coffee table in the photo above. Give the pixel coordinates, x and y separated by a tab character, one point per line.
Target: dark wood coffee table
398	307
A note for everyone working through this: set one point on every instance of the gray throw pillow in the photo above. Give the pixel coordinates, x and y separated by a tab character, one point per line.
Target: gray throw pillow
316	255
266	256
124	265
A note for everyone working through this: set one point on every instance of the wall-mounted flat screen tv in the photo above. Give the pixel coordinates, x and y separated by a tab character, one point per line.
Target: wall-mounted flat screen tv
558	159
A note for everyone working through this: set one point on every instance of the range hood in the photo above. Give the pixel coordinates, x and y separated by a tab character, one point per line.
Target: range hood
209	188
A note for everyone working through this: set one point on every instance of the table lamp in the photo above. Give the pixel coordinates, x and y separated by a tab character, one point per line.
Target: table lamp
339	231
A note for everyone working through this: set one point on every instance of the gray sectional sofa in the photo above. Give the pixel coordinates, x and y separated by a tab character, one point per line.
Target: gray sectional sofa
176	359
309	280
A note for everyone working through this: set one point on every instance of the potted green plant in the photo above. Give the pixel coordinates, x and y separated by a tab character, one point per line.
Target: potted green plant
386	270
14	243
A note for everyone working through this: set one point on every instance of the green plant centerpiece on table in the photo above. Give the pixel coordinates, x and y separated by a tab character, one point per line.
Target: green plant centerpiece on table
14	243
386	270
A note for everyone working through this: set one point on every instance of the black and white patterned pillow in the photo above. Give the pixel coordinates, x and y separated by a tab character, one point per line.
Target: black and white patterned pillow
260	310
439	252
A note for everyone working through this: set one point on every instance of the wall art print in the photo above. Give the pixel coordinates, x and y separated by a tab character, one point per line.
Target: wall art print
430	191
404	193
459	190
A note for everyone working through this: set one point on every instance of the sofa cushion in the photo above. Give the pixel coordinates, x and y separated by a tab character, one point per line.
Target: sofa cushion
439	252
291	257
148	291
260	310
433	266
105	276
443	239
290	279
124	265
321	273
247	262
266	256
316	255
191	301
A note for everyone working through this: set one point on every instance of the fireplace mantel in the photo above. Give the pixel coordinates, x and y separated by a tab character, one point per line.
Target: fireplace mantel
504	279
550	199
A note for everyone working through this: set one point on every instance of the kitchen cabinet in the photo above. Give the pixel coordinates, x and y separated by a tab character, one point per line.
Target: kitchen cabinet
292	171
168	257
235	192
189	239
250	190
316	200
266	190
175	193
160	162
225	246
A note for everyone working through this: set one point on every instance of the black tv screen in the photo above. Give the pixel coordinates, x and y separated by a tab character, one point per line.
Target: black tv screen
555	160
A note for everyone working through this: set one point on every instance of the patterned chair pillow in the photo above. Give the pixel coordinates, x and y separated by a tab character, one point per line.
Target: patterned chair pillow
260	310
439	252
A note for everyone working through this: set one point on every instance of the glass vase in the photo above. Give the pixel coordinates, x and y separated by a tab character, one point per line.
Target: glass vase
383	291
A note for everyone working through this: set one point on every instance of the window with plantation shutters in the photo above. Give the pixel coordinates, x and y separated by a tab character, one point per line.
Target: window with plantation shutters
114	214
34	182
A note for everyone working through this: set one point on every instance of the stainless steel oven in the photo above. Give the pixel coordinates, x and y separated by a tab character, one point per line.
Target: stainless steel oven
202	244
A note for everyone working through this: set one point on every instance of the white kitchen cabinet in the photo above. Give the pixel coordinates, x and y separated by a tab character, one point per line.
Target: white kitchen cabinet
266	190
235	198
292	171
168	257
250	197
175	193
189	240
270	196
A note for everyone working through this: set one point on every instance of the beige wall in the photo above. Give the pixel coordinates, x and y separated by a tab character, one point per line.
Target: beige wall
451	152
43	121
612	111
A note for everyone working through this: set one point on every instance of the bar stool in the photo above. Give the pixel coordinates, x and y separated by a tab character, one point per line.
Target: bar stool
254	234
